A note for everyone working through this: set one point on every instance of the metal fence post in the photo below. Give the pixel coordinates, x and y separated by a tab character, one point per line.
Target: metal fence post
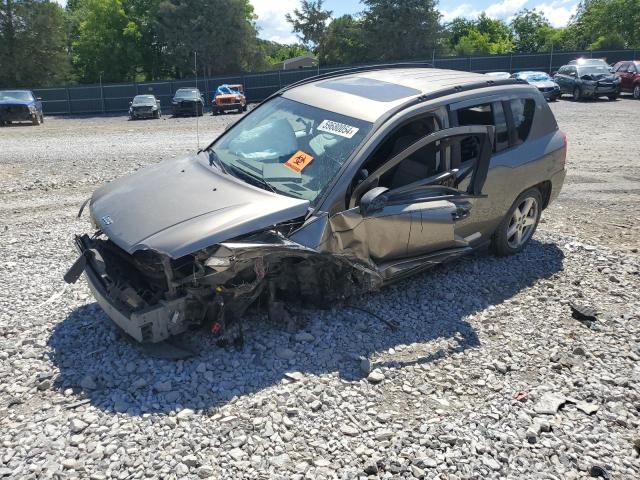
68	101
510	62
469	62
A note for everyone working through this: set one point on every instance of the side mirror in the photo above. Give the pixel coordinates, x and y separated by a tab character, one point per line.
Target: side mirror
373	201
130	103
39	99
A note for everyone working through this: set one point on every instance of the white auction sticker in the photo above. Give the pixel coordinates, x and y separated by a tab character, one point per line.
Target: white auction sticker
341	129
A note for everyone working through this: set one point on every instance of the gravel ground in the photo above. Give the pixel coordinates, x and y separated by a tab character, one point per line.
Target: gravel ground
488	375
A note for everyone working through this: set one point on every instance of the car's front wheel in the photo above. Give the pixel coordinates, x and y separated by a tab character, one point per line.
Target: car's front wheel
577	94
636	91
519	225
35	119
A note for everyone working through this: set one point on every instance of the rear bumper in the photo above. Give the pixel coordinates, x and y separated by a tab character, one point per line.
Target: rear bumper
153	324
551	95
557	180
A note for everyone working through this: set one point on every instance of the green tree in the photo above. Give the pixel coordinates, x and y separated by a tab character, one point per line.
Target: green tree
400	29
222	32
532	31
344	42
32	43
481	35
310	22
605	24
275	52
105	41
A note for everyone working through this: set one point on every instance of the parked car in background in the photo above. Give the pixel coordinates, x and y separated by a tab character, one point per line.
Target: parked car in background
543	82
336	185
588	81
589	62
499	74
629	74
20	106
144	106
229	97
187	102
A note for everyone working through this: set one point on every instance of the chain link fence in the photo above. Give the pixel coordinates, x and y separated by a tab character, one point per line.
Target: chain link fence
113	98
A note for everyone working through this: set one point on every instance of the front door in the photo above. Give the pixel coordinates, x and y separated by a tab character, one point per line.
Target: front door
410	205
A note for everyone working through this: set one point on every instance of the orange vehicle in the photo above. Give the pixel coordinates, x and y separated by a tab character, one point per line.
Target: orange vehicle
229	97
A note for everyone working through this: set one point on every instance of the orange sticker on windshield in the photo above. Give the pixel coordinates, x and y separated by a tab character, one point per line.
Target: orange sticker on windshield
299	161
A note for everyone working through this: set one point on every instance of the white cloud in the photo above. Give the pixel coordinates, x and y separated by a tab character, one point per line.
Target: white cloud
559	13
465	10
505	8
271	21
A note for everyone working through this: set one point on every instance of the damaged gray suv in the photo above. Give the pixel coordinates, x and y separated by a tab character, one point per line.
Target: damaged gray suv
333	186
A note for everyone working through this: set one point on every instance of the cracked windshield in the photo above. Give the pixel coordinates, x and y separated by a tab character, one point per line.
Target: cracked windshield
289	147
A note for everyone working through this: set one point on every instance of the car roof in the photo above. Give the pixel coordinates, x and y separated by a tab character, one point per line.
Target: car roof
526	72
367	95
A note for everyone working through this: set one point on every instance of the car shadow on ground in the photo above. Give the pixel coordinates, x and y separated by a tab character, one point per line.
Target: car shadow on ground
431	309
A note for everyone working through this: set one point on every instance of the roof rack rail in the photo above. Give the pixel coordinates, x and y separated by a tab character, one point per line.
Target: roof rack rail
347	71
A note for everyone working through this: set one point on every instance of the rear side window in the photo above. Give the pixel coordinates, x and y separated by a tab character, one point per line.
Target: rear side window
522	110
487	114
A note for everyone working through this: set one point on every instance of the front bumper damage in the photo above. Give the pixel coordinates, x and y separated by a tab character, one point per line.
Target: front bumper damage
16	113
153	297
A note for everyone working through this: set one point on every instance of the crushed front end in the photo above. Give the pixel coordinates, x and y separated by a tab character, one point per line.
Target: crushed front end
152	296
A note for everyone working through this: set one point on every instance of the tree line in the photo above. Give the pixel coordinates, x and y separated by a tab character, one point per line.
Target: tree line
42	43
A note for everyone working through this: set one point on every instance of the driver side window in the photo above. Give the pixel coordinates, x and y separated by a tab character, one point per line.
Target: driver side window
423	163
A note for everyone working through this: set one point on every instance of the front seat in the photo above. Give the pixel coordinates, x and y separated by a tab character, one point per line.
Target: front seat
421	164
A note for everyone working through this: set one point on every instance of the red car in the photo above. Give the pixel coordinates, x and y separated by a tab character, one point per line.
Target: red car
629	73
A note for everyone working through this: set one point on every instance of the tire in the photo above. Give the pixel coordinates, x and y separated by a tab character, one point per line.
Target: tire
577	94
35	120
613	98
240	110
156	115
244	108
515	231
636	91
42	118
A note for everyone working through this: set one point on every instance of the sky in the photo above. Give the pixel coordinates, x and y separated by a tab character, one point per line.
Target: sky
273	26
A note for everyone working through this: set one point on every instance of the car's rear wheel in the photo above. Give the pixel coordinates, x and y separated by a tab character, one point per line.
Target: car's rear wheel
577	94
519	225
636	91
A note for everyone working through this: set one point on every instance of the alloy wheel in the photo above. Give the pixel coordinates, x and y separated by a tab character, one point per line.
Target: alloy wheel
522	223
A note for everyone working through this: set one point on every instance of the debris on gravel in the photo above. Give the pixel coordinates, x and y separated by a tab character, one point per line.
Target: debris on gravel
486	376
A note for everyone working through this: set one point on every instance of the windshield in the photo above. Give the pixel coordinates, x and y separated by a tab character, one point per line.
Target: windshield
187	94
534	76
290	147
144	100
593	70
16	95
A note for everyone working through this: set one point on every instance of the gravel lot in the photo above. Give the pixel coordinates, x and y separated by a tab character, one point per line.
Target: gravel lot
488	376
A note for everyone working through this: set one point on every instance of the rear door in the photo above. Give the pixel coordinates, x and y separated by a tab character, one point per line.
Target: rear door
621	71
400	220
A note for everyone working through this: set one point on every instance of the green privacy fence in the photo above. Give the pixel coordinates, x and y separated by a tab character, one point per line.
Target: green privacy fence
112	98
